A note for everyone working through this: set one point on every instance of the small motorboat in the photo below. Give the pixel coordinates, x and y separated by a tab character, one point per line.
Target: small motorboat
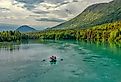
53	59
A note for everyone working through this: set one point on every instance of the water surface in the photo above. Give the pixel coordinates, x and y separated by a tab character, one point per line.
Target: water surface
82	62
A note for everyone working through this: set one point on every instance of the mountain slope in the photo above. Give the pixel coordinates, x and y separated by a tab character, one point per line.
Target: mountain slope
109	32
96	14
25	28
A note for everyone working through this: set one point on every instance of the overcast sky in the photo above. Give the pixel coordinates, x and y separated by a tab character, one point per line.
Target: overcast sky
42	12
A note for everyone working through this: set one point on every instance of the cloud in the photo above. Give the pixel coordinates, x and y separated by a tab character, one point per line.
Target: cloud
42	12
29	4
50	20
38	11
4	9
55	1
34	16
30	1
75	1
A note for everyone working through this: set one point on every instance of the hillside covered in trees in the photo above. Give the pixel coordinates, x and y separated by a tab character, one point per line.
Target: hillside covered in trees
102	33
8	36
99	22
96	14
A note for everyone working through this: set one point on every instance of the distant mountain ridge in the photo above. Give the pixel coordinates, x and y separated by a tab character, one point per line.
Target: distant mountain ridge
26	28
7	27
96	14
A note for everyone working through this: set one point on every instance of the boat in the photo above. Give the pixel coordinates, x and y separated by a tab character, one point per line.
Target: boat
53	59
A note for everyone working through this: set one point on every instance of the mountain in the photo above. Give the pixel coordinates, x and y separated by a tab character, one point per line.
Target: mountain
109	32
7	27
26	28
96	14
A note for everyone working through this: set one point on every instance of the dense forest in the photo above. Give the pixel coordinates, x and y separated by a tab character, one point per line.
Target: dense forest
93	15
89	25
8	36
103	33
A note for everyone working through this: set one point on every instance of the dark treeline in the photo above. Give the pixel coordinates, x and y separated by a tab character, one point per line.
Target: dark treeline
103	33
8	36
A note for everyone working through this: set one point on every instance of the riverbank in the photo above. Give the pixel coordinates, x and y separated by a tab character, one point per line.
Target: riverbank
110	32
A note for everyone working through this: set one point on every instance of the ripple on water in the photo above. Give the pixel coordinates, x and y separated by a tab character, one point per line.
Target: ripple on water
73	70
91	58
80	64
83	51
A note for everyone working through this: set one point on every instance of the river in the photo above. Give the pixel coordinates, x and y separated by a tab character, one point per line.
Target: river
82	62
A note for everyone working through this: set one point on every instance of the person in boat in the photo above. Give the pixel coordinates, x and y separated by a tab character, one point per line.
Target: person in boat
53	59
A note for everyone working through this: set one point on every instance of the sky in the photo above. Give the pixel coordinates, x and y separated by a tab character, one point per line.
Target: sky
44	13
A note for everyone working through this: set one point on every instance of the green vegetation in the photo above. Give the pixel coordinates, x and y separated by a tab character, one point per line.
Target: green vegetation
110	32
8	36
94	15
103	33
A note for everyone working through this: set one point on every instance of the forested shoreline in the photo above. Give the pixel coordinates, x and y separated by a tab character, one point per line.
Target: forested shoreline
8	36
103	33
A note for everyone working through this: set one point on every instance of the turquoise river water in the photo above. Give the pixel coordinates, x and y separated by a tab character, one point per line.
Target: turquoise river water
82	62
